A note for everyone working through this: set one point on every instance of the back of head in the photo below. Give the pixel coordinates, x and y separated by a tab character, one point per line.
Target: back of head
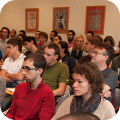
55	32
73	33
44	34
109	51
23	31
15	42
38	60
94	40
91	32
29	39
55	47
98	37
110	40
7	30
79	116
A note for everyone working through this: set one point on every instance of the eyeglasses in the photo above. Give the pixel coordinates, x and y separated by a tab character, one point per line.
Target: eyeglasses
27	69
69	34
97	53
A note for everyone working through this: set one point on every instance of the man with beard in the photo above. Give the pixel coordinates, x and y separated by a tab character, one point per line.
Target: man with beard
70	37
52	35
33	99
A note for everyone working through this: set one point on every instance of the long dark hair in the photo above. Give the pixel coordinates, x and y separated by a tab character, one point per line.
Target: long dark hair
64	45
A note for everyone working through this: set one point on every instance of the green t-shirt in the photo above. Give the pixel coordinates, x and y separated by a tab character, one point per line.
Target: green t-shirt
55	74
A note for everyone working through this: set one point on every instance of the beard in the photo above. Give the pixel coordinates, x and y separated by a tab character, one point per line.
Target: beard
70	39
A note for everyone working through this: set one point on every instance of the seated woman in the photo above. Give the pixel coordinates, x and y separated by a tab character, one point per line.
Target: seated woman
65	57
88	83
22	37
77	51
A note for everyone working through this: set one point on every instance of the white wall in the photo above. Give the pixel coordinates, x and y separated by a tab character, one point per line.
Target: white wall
13	15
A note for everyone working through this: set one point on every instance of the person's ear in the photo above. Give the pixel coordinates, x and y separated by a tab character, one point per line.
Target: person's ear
56	57
40	71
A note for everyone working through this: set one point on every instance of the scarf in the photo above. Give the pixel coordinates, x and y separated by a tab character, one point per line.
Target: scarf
89	106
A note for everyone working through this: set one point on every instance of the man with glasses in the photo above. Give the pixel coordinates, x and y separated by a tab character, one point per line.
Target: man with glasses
70	37
33	99
102	56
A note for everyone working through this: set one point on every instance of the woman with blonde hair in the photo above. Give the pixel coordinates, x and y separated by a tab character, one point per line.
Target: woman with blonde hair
77	51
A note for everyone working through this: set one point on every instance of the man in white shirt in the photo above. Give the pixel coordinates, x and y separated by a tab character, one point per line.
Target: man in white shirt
3	41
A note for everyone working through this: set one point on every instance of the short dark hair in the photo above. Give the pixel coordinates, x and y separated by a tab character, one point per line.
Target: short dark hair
59	37
7	30
73	33
91	32
94	40
55	32
79	116
15	42
109	51
92	74
23	31
55	47
99	37
44	34
29	39
38	60
110	39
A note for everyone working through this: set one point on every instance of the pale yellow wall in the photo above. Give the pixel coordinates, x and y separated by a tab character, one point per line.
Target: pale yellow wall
13	15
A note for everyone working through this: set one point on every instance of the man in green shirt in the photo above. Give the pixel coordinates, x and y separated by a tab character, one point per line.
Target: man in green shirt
56	74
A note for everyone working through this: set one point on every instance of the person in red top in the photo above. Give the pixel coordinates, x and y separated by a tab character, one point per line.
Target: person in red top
33	99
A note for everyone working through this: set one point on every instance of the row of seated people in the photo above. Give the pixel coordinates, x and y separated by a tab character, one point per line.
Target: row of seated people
47	55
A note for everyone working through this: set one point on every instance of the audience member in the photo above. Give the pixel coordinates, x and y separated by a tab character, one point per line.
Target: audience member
89	34
99	37
52	35
13	34
65	57
89	47
102	56
77	51
116	67
4	39
31	45
22	37
88	83
79	116
32	100
70	37
37	37
2	89
43	37
56	74
11	68
57	39
22	32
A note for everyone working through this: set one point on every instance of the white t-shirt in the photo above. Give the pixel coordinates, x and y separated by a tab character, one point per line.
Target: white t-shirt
13	67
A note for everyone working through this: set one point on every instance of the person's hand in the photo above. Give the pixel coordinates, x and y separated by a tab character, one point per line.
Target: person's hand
107	94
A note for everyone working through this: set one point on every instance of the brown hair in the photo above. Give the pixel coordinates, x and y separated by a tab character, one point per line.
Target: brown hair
92	74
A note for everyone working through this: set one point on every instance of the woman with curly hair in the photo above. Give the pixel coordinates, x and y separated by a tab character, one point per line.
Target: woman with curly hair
77	51
88	83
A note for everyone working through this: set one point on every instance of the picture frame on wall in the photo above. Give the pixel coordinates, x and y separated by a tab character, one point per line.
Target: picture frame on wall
60	19
31	19
95	18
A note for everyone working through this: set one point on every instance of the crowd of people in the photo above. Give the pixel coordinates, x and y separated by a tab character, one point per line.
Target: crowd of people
61	79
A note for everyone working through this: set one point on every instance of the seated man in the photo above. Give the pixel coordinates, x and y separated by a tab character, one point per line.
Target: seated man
33	99
11	68
31	46
57	39
56	74
102	56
